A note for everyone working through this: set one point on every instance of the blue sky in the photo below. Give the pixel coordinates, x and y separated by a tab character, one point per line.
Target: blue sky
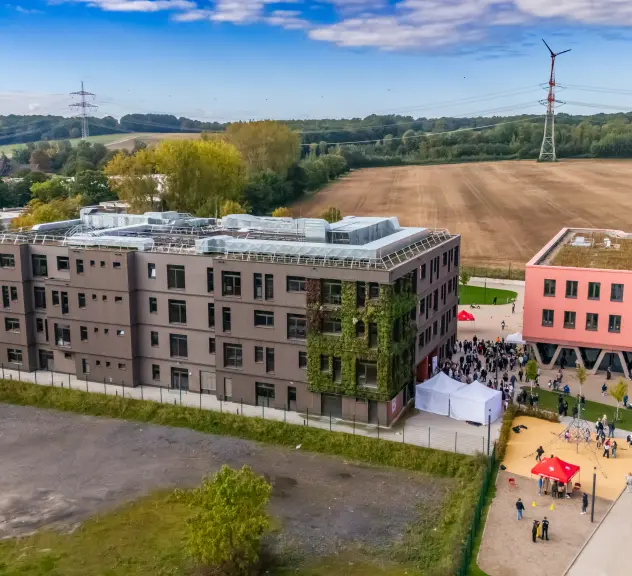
243	59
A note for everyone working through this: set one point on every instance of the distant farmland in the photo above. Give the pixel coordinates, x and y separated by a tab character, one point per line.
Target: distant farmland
119	141
506	211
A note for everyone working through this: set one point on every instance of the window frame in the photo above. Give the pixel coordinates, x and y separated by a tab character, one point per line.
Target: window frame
154	339
612	290
548	323
596	323
302	359
178	342
263	319
41	267
363	368
331	292
295	284
7	260
231	280
617	324
153	305
233	356
594	285
550	286
176	273
574	284
226	313
42	292
151	271
63	263
570	325
296	327
177	311
211	314
328	323
81	300
11	324
210	280
17	354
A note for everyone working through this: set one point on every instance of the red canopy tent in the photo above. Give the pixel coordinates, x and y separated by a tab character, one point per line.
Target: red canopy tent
555	469
465	316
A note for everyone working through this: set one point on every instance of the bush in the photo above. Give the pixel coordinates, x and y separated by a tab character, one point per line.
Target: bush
229	519
505	432
538	413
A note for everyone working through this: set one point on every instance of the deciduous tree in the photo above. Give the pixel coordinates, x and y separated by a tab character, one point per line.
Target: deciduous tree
133	179
618	393
231	207
332	214
49	190
265	145
282	212
38	212
93	187
229	518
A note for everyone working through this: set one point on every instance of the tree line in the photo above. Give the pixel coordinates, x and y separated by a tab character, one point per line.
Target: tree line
253	167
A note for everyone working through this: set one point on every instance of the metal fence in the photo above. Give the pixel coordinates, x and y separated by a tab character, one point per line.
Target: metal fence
468	545
406	433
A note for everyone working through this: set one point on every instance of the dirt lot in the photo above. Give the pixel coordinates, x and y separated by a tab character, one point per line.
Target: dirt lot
151	139
507	548
58	469
506	211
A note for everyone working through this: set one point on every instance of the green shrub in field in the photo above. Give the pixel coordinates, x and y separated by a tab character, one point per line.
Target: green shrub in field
229	519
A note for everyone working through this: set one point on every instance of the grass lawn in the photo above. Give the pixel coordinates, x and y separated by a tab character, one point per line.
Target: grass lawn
591	410
481	295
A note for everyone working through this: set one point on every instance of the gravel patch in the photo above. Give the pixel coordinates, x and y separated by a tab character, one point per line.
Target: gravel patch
58	469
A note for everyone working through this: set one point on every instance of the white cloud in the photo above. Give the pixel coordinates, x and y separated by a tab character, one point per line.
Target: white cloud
388	24
23	10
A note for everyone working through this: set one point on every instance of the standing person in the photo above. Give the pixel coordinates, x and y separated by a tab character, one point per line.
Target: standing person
540	482
513	307
611	429
554	489
628	482
606	449
614	448
534	530
520	507
545	529
539	453
502	324
520	374
584	503
608	373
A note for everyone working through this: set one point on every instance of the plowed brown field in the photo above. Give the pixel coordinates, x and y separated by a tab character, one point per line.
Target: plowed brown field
506	211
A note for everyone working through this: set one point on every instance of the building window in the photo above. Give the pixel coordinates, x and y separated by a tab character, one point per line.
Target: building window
549	287
295	284
118	299
122	366
104	298
40	265
226	320
11	324
94	297
422	306
258	286
14	355
62	335
296	327
259	354
153	305
374	290
569	319
332	292
211	315
154	339
372	335
571	288
211	345
79	266
324	363
177	311
614	324
269	360
39	324
435	328
233	356
83	333
594	290
55	294
178	346
366	374
14	293
269	286
120	332
7	261
332	326
264	319
63	263
175	277
547	317
231	284
360	294
616	292
92	263
422	340
263	393
155	372
302	359
106	330
102	263
151	271
592	321
445	258
5	297
359	329
210	283
39	297
116	264
336	369
422	272
81	300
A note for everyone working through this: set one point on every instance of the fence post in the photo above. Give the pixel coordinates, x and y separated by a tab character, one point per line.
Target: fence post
18	373
404	433
86	382
307	414
221	408
455	441
69	385
354	424
284	407
180	386
142	396
3	370
263	411
123	389
200	399
428	436
52	383
330	422
378	427
35	375
161	394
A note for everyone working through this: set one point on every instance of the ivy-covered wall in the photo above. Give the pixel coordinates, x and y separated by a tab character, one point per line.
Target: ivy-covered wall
384	312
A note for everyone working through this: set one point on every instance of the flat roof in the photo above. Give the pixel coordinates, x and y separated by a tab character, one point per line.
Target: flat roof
602	249
353	242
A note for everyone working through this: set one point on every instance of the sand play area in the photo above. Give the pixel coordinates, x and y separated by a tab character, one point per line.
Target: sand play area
520	457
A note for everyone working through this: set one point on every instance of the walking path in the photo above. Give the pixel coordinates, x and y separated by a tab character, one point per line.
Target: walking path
420	429
606	552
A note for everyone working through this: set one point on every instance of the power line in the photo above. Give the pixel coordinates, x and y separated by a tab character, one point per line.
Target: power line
83	106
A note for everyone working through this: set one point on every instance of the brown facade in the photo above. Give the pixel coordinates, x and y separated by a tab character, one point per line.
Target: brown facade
154	318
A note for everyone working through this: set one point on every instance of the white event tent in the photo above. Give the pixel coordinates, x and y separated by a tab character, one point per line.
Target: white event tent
433	395
515	338
475	402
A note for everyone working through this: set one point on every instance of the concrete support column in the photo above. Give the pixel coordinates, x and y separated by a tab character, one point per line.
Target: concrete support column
626	372
598	362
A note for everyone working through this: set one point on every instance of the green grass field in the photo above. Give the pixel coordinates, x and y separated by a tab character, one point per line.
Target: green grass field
591	410
481	295
102	139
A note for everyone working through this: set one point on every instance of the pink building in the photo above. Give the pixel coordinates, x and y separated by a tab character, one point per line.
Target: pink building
578	296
